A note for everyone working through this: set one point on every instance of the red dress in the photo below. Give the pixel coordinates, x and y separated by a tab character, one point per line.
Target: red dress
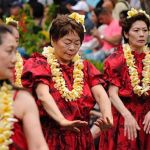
19	141
37	70
116	73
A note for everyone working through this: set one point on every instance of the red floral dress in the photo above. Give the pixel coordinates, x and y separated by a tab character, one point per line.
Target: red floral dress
116	73
37	70
19	141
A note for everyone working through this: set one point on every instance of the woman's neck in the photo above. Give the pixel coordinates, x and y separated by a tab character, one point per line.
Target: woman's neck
137	49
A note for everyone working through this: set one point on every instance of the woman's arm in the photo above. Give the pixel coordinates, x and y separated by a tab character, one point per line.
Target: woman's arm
130	124
26	110
103	102
51	108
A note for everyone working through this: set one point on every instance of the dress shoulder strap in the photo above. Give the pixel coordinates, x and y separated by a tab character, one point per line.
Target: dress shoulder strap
15	94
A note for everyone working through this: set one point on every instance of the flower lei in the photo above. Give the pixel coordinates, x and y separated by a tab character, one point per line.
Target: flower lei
6	116
18	69
135	81
57	75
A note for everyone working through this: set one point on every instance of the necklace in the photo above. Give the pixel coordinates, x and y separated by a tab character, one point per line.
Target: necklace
18	69
57	75
6	116
135	81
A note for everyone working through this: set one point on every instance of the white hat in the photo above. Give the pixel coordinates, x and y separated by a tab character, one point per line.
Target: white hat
81	5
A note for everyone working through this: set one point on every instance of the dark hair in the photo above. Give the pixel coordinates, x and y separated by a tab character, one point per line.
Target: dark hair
37	9
129	21
101	11
124	13
3	30
63	25
13	24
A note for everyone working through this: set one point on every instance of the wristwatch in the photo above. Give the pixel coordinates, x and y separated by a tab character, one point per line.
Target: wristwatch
101	36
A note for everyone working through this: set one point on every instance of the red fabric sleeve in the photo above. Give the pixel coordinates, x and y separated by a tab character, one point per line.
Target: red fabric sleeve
112	69
94	75
36	70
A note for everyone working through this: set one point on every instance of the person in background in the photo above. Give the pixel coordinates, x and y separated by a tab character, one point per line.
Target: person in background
82	8
37	12
15	8
109	37
19	118
61	77
127	74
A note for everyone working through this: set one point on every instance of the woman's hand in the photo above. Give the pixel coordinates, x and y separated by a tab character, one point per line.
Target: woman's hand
103	124
72	125
130	127
95	33
146	123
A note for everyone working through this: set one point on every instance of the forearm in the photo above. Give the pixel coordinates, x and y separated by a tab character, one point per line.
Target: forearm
118	104
51	107
102	100
104	103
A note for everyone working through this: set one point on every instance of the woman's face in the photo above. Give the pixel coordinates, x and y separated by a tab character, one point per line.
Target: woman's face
7	56
16	34
67	47
138	34
94	18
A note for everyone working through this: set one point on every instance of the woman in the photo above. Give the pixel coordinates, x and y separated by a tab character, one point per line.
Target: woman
19	119
128	74
13	26
61	77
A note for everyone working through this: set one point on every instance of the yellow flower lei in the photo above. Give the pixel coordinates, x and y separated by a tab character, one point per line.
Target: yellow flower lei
60	84
6	116
18	70
135	81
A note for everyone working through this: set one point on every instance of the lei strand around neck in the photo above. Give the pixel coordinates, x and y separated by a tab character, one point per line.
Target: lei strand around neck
6	116
58	79
18	70
135	81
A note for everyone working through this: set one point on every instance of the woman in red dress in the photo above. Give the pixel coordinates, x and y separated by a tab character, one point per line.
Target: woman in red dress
128	74
25	133
60	76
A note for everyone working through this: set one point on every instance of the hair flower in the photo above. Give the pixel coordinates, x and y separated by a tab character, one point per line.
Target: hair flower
10	19
78	18
134	12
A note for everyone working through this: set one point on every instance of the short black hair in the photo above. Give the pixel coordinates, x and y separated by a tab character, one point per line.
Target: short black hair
129	21
4	30
101	11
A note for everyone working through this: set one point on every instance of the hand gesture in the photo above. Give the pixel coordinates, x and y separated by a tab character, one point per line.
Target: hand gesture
146	123
103	124
130	127
95	32
73	125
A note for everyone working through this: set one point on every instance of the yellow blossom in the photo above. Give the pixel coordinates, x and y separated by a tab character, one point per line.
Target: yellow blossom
78	18
134	12
10	19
